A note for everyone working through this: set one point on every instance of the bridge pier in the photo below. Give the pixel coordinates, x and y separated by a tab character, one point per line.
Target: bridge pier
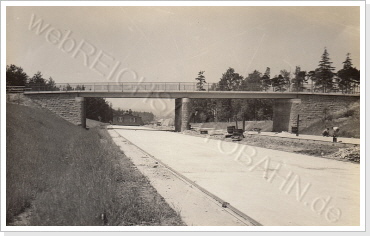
284	114
82	103
182	114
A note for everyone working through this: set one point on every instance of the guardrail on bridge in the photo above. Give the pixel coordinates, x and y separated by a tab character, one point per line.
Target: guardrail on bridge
184	87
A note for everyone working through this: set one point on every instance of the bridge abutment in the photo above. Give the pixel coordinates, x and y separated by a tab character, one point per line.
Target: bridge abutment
70	107
182	114
310	108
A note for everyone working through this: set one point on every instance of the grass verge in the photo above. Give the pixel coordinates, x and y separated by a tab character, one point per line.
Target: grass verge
71	176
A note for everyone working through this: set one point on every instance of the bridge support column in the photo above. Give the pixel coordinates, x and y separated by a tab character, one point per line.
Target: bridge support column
182	114
285	113
81	101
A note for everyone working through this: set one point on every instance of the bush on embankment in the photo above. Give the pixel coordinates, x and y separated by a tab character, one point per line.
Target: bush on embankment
66	175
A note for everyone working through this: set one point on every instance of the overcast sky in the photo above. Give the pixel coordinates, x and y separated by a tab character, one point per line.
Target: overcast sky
165	44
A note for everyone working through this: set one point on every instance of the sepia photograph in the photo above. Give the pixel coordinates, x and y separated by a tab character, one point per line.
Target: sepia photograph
153	116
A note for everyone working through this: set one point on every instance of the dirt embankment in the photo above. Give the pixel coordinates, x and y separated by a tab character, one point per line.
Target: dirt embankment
71	176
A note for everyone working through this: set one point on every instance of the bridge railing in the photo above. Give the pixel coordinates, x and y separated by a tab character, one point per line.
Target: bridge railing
186	87
16	89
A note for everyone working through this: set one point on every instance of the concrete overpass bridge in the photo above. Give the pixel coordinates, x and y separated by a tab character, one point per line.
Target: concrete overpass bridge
67	100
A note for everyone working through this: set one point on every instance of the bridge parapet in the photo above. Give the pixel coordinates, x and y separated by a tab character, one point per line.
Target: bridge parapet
184	87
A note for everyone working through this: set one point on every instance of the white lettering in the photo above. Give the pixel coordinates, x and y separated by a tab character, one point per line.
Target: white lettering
56	34
67	40
38	25
86	55
98	61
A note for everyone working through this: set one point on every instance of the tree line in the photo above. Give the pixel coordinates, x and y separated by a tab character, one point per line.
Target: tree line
323	79
146	117
99	109
96	108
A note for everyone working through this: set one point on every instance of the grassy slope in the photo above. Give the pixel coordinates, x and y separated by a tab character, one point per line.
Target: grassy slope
69	176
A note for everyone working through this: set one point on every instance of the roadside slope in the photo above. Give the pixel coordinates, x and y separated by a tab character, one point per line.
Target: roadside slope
65	175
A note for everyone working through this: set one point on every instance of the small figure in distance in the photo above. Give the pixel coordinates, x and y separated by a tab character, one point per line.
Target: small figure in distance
335	134
335	131
325	133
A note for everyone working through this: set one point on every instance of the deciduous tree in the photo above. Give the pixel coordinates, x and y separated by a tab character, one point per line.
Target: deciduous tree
253	81
299	79
15	76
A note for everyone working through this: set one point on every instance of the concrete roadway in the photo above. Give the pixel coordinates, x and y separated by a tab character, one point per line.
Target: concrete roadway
273	187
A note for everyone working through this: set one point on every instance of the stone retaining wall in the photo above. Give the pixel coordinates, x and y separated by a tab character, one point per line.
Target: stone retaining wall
68	106
310	108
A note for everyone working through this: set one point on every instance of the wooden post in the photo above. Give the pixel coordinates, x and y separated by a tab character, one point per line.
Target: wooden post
243	122
297	134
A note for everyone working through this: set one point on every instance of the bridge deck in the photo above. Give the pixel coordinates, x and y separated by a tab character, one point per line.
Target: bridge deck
186	94
183	90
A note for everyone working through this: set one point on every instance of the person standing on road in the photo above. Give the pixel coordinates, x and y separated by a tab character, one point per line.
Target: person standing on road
335	133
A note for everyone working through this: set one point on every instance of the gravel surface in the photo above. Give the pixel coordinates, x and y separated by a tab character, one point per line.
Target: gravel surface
338	151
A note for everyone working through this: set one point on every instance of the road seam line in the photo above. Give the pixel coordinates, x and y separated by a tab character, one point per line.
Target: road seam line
188	181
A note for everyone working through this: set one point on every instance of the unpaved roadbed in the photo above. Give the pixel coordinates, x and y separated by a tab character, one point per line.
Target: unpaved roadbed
337	151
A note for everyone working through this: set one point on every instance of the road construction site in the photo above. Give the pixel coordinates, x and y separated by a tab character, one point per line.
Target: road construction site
250	185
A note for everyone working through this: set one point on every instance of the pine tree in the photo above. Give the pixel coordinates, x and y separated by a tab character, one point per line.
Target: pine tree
286	83
37	79
299	79
324	74
279	83
201	81
265	80
348	77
